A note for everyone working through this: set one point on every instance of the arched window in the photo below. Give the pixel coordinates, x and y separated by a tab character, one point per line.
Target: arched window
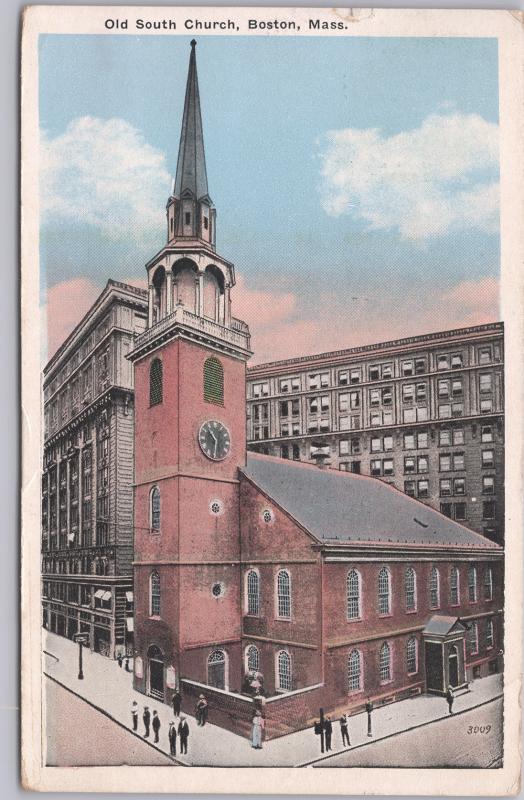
385	663
252	658
284	671
411	589
434	588
213	381
454	586
216	669
154	514
253	592
472	584
488	584
473	638
353	594
155	382
384	591
354	671
489	634
284	594
411	655
154	591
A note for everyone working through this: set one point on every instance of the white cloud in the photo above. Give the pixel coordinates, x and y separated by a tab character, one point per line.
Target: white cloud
103	173
423	182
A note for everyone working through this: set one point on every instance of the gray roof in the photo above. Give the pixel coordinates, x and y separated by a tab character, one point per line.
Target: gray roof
191	166
441	625
341	506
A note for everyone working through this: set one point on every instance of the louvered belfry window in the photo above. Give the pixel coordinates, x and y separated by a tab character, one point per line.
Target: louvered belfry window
214	381
155	382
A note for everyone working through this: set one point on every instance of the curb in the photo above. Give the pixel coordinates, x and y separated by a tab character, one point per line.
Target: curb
113	719
397	733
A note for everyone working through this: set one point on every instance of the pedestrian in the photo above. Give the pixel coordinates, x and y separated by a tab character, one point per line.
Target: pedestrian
450	698
134	714
328	731
127	665
319	731
177	703
156	725
147	719
344	730
183	734
201	710
119	659
257	730
369	709
172	738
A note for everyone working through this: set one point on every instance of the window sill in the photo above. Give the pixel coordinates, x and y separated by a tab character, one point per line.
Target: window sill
354	619
411	611
283	619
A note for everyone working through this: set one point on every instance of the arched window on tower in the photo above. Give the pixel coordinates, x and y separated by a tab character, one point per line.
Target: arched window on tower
155	382
155	509
213	381
154	592
252	658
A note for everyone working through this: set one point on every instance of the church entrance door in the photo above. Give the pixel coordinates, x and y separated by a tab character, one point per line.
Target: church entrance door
156	673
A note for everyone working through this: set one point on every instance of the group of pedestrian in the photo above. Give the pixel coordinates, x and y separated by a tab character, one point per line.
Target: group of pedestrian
324	728
179	728
120	660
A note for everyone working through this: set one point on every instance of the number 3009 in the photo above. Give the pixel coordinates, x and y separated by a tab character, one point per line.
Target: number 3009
479	728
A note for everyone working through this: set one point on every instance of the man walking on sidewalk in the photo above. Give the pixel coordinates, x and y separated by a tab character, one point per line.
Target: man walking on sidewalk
120	660
183	734
172	738
450	698
134	714
201	710
156	725
177	703
344	730
147	719
369	709
328	731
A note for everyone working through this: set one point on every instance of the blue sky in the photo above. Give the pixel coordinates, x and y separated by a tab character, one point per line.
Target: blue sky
338	166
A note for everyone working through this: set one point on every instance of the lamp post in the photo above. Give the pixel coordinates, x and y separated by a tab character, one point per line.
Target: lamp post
81	638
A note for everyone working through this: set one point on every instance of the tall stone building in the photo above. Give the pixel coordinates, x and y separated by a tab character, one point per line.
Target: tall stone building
87	479
425	414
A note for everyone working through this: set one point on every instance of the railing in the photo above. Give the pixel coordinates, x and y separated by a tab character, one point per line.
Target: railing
237	334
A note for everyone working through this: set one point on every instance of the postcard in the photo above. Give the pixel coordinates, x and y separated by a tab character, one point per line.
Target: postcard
271	324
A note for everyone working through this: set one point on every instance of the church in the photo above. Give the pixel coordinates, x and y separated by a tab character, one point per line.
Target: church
313	587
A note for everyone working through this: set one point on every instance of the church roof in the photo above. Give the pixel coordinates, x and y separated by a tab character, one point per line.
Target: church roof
191	165
338	507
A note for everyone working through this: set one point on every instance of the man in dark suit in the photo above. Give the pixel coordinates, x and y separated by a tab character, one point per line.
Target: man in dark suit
177	703
147	719
156	725
328	731
172	738
183	734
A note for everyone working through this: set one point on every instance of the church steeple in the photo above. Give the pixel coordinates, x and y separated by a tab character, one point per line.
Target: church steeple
190	211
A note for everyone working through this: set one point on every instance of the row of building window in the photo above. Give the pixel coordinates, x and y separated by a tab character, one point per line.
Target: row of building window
375	372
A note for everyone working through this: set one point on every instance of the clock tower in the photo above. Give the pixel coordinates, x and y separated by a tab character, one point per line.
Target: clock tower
190	440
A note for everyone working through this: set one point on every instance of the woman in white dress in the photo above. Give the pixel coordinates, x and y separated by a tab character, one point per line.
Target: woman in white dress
257	730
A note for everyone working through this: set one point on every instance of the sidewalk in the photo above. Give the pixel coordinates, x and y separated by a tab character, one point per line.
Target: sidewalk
109	688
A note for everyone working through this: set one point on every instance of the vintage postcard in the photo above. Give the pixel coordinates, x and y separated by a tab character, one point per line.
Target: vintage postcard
272	400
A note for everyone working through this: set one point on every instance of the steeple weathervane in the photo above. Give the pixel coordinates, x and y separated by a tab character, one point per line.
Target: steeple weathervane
190	210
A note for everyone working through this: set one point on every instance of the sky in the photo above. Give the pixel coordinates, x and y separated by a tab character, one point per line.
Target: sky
355	179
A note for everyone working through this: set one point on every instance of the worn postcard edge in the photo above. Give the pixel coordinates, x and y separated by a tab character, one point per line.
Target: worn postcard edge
507	26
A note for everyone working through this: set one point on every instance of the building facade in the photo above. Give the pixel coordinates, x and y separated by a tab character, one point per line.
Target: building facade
425	414
87	479
318	586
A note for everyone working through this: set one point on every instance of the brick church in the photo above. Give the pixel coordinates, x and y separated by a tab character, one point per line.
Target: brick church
319	587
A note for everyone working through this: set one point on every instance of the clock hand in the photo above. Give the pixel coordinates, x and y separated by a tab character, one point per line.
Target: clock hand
215	450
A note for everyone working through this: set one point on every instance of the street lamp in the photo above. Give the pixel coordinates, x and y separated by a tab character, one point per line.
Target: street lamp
81	638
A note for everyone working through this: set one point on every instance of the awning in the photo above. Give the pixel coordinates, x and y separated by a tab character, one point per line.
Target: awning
106	596
129	597
99	593
129	624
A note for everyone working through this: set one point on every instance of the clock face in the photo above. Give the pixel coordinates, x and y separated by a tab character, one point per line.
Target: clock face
214	440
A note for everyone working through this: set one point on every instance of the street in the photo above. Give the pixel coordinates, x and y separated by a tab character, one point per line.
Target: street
462	740
79	735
